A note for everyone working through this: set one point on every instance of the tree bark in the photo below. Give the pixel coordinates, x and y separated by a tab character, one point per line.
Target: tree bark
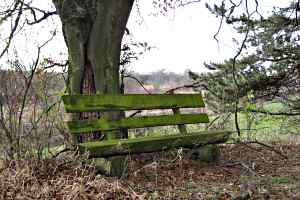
93	31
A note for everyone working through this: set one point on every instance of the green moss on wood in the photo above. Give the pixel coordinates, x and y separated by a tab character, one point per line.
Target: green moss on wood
208	153
86	126
87	103
152	144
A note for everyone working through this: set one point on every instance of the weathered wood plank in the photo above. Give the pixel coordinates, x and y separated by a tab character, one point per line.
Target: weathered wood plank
86	126
181	127
88	103
152	144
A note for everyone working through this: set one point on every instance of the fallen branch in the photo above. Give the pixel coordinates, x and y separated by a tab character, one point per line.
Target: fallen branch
243	165
261	144
270	148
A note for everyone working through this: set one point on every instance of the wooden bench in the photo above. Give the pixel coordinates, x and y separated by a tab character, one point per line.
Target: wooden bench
112	146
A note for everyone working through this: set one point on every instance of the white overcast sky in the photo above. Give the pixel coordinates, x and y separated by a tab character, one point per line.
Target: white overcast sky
183	39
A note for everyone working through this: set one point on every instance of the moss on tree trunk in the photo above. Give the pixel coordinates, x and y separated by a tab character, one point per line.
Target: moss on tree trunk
93	31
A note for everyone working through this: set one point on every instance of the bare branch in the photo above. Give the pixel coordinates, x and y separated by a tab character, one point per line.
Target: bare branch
45	16
33	11
234	73
29	81
193	85
139	82
267	146
57	65
219	29
28	85
13	30
275	114
181	4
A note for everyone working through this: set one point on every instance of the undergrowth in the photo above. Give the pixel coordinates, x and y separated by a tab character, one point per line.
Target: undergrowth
251	172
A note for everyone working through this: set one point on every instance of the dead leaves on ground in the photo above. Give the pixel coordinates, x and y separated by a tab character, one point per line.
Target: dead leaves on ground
240	173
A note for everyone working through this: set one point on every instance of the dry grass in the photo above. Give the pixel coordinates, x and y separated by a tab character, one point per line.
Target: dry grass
59	178
252	170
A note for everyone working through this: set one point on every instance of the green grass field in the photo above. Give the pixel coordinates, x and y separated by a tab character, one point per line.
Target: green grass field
263	127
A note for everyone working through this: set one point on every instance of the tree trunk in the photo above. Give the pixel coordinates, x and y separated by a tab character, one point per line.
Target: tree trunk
93	30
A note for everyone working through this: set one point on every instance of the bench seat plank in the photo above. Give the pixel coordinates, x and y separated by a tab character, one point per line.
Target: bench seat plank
109	148
89	103
87	126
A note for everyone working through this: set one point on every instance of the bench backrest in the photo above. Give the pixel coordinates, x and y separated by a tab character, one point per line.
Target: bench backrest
104	103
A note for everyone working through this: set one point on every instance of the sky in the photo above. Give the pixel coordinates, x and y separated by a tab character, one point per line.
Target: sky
181	40
184	38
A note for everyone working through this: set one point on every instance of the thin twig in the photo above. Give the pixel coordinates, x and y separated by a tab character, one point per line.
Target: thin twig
193	85
13	30
243	165
138	81
234	74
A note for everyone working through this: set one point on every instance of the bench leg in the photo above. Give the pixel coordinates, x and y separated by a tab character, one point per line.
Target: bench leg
119	165
113	166
207	153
